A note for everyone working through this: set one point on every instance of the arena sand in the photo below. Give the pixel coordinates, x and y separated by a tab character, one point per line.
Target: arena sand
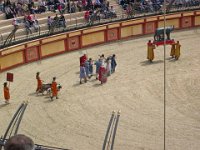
78	119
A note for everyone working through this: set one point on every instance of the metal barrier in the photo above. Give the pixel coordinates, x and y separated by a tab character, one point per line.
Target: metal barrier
13	127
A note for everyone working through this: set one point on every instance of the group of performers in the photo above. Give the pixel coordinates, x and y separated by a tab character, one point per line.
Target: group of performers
104	68
175	50
53	86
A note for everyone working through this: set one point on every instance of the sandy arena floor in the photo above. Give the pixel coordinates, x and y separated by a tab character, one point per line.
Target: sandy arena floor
79	118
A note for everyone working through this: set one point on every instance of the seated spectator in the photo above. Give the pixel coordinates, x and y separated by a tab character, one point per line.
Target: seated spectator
30	19
79	5
27	26
19	142
20	11
112	11
87	15
15	23
25	8
60	8
129	11
35	22
62	21
73	7
56	18
41	6
84	4
8	12
49	22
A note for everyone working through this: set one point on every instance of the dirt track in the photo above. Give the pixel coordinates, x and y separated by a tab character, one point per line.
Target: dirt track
79	118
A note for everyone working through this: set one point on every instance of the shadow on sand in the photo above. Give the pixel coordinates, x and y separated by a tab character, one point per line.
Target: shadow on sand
3	105
97	85
48	100
32	94
172	60
146	62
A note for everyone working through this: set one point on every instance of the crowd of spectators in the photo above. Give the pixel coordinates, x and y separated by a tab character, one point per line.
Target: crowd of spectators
141	6
17	8
94	9
58	21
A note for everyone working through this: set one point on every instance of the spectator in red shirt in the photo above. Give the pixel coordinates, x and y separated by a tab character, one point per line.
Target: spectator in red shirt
86	16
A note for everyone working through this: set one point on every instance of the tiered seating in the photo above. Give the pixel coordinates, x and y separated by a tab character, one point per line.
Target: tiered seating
6	25
72	20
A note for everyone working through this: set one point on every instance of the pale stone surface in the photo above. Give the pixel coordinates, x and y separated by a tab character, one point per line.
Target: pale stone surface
79	118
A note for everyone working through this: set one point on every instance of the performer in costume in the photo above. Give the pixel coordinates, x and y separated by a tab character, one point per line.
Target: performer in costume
98	64
113	63
83	59
177	50
102	74
39	82
173	50
83	74
150	51
108	66
6	93
54	89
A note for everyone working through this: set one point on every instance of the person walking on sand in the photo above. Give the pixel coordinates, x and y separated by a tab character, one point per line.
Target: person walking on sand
102	74
108	66
83	74
39	82
113	63
83	59
91	67
54	89
86	65
6	93
98	65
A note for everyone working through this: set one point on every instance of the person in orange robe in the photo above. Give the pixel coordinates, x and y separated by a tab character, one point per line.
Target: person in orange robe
6	92
39	82
54	89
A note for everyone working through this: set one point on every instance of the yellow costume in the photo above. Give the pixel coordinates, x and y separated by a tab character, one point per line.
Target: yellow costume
173	48
177	50
150	51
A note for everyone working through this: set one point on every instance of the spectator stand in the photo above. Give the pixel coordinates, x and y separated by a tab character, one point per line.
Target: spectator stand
77	20
19	23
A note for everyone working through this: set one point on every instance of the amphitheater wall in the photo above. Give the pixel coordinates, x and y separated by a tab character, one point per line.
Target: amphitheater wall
46	47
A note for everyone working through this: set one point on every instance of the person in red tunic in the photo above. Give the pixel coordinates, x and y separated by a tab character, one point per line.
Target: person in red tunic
102	74
54	89
83	59
6	92
39	82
